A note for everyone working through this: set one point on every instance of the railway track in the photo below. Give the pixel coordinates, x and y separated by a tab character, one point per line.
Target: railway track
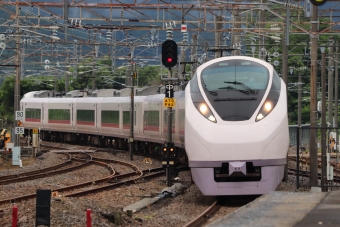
158	172
111	181
46	172
305	161
204	216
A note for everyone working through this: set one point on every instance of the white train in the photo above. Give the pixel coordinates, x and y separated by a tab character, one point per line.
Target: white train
236	126
100	120
234	113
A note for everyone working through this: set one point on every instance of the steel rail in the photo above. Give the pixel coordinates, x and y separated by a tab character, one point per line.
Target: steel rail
29	196
47	174
160	171
204	216
304	160
307	174
2	178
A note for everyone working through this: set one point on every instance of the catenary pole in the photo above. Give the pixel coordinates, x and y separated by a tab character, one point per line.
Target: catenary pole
323	121
313	98
330	80
17	74
285	44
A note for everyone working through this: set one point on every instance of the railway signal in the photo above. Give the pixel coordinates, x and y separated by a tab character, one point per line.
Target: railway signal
318	2
169	53
169	160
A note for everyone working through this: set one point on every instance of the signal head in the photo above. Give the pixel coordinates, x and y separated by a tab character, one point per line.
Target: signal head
169	53
318	2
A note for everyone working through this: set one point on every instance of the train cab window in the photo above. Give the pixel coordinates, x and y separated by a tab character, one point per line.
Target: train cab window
235	88
223	75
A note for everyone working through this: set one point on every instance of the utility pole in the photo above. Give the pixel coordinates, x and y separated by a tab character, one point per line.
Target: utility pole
285	44
299	101
132	104
206	51
182	52
323	121
330	80
66	83
55	83
93	78
336	84
66	79
313	98
96	47
66	22
17	75
193	54
236	36
262	51
218	27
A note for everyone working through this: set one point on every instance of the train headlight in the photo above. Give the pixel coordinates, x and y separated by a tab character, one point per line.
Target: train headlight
198	100
206	112
272	98
266	108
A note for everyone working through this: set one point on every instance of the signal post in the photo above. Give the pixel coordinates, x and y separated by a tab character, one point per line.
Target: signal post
169	60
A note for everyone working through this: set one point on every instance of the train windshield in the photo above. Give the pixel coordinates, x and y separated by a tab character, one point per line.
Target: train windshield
235	88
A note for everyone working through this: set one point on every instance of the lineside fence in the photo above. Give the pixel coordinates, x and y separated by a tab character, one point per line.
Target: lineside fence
299	156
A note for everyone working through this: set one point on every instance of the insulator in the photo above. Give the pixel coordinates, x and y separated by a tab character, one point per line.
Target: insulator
169	33
2	46
293	6
185	37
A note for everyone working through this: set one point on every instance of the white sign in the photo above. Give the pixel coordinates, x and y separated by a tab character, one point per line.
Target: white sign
19	115
19	130
183	28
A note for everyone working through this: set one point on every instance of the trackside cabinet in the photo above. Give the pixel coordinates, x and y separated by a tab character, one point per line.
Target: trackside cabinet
16	156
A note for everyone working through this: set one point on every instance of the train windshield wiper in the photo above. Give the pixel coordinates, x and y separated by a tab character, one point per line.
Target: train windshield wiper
235	99
214	93
246	90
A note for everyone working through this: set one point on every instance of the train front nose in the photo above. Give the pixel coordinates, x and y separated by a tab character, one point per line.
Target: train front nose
237	171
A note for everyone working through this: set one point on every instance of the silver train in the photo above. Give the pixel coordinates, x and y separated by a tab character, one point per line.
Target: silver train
102	121
230	124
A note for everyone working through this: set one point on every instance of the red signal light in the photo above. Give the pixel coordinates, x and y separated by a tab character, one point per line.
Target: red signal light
169	60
